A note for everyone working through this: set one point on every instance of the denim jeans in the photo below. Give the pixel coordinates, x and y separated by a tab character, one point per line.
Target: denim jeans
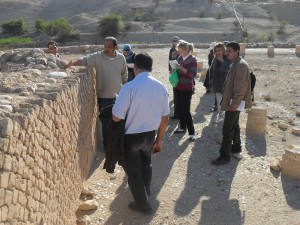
231	134
138	167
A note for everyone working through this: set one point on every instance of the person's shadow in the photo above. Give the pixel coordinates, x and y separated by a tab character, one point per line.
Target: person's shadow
206	183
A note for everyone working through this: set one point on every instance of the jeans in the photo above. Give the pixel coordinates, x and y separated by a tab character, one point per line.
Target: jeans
138	167
231	134
186	121
106	119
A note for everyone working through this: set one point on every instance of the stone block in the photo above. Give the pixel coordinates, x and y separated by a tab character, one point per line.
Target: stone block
4	213
291	163
6	127
8	197
4	144
7	165
22	199
2	196
15	196
257	120
4	179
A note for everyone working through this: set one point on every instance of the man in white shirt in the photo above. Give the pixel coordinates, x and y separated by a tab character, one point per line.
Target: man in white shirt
143	102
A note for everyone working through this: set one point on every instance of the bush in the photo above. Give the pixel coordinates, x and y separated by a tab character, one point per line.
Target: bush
15	27
110	25
200	14
281	28
60	28
138	16
41	25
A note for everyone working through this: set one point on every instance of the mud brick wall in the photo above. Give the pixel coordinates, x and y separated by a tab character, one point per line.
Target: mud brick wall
46	150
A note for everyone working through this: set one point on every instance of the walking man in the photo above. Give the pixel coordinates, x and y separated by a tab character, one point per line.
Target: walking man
236	96
143	102
111	74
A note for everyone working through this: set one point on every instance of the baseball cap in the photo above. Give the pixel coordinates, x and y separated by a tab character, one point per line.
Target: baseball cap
127	47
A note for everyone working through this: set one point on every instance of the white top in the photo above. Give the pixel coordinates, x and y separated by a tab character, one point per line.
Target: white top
144	100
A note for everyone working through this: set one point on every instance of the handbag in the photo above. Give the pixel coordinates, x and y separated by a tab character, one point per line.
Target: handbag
173	78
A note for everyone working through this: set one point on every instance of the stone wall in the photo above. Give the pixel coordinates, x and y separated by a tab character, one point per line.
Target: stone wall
47	145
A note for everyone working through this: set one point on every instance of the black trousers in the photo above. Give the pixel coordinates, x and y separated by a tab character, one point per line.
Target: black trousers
138	166
184	102
231	134
105	118
176	102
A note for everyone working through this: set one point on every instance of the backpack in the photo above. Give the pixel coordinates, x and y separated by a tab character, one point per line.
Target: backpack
253	82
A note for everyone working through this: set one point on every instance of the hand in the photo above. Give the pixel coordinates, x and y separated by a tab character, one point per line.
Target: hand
220	58
69	64
231	109
157	147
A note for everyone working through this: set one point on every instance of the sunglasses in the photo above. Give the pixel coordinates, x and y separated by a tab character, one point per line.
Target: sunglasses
53	48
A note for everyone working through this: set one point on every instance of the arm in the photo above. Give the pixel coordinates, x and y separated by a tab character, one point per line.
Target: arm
192	69
78	62
157	146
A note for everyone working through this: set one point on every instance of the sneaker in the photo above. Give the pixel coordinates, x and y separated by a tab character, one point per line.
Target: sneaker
220	161
192	137
238	155
146	210
179	131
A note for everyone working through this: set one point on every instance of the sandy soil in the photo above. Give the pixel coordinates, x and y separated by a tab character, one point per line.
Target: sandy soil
187	189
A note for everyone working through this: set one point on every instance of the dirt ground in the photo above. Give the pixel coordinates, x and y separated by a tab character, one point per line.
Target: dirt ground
186	188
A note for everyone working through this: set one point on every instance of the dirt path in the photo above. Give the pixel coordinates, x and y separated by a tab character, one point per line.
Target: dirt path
187	189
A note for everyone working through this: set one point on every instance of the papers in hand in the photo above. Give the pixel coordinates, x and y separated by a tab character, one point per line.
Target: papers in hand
241	106
173	63
130	65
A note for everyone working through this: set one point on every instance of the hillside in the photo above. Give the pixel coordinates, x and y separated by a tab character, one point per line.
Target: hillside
193	20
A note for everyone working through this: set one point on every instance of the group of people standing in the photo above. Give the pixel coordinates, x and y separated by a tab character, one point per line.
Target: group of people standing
141	102
228	77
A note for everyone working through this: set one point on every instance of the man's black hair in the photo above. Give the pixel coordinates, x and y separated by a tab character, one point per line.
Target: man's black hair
234	45
143	61
51	43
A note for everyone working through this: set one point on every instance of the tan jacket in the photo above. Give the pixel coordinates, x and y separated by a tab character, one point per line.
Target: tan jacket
237	86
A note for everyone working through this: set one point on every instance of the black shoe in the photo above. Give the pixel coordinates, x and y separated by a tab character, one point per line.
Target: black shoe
146	209
220	161
214	109
179	131
174	117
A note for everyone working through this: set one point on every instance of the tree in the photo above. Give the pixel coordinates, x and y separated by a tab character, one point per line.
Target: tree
110	25
15	27
41	25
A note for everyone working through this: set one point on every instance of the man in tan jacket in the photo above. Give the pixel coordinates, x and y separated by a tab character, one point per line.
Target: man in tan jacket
236	97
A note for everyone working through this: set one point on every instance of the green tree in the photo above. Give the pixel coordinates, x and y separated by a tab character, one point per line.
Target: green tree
61	29
41	25
15	27
110	25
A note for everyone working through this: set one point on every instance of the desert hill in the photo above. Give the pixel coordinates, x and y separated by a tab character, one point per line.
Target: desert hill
156	21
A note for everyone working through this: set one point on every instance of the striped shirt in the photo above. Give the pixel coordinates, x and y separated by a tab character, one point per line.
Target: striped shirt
186	80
